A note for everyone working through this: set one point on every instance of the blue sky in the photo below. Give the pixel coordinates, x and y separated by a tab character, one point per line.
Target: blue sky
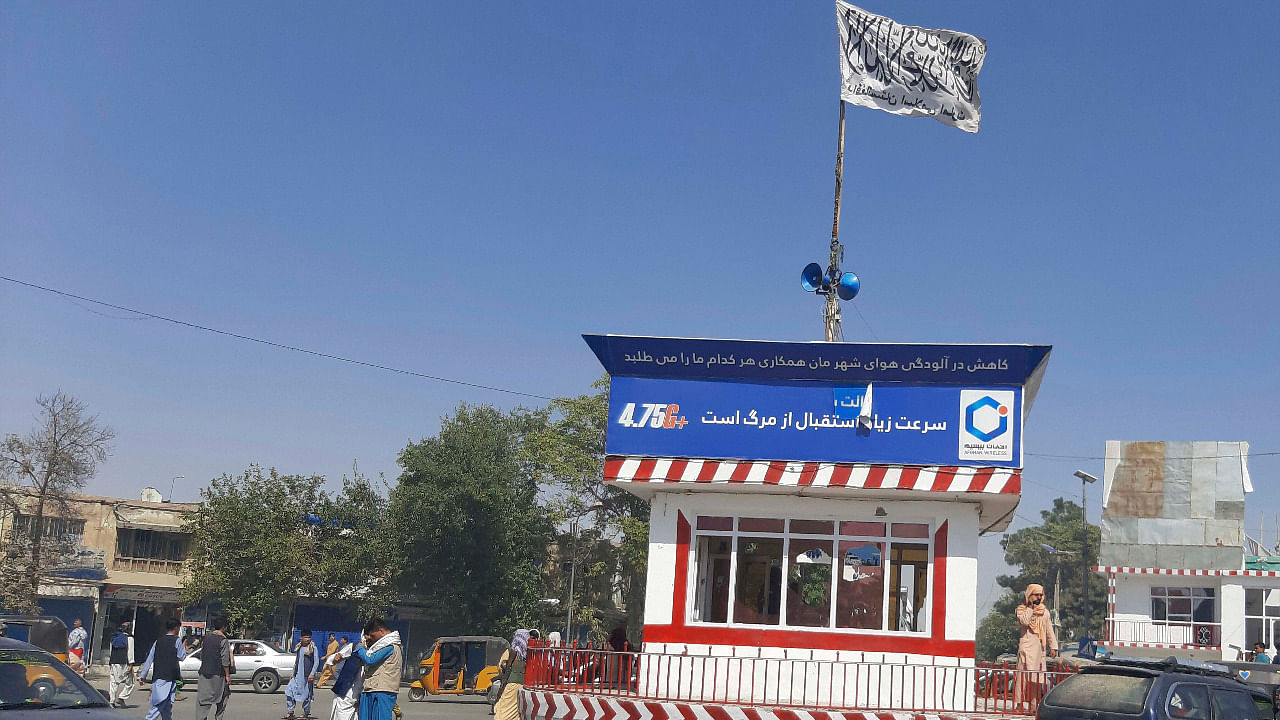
462	189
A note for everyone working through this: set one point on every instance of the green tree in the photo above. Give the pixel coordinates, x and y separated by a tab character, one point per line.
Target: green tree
39	474
355	562
260	541
1025	550
567	451
472	532
250	545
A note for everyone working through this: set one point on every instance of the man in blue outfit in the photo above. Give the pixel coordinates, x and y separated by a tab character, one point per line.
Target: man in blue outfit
383	660
302	687
163	661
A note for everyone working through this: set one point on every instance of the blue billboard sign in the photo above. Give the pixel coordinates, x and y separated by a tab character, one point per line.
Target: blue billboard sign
690	359
893	423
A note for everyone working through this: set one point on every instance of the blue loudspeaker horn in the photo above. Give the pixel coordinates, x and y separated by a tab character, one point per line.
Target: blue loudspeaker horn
811	277
848	286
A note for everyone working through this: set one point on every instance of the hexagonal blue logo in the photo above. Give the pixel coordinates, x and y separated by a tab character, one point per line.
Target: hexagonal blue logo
1000	428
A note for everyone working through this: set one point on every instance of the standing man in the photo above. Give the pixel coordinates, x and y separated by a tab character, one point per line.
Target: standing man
162	662
76	638
214	686
301	687
383	660
122	664
327	673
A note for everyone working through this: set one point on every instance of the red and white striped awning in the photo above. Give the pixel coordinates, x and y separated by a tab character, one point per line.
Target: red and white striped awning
1187	572
937	479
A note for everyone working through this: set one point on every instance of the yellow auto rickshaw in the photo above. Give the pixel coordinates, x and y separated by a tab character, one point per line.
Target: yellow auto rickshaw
462	665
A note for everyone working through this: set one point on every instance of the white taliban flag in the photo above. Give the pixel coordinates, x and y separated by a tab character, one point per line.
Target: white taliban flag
909	70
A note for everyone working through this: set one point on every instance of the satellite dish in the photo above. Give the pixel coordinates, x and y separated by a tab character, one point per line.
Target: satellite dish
811	277
848	286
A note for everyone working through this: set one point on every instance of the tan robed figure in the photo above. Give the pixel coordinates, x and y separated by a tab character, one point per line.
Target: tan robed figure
1036	642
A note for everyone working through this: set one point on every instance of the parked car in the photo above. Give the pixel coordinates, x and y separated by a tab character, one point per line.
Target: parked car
265	665
35	684
1169	689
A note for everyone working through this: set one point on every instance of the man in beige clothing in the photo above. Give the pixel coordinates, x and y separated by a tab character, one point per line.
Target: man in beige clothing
1036	640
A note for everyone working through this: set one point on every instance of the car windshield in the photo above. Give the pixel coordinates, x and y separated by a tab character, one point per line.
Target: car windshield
1105	692
32	679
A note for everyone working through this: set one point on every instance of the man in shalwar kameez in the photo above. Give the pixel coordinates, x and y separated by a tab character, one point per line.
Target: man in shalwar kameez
348	682
301	687
162	664
1036	639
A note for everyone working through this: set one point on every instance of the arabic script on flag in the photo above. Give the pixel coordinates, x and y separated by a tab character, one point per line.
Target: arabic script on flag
908	70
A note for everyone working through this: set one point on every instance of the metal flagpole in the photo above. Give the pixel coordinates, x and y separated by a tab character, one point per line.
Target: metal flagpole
832	313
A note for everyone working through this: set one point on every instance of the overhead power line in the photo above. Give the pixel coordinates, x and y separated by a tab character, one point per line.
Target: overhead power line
271	343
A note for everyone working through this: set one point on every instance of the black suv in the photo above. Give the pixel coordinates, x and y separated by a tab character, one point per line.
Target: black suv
1170	689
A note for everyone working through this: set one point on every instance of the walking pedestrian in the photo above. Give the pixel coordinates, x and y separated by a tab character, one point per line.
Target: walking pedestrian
508	705
123	664
347	684
213	688
327	673
301	689
76	639
382	660
163	669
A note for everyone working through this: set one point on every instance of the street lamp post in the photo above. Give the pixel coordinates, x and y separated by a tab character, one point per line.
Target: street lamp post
171	482
1085	479
1057	582
573	566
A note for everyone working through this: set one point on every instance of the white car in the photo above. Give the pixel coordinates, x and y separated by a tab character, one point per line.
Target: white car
267	666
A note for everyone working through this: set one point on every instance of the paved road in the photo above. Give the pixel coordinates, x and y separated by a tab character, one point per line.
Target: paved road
248	705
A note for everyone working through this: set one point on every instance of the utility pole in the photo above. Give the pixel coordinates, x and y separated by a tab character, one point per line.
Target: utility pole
1085	479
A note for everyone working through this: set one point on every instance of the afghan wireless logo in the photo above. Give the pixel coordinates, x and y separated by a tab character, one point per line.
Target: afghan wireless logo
975	419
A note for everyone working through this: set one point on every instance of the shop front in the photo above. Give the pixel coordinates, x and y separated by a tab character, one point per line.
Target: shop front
815	510
146	607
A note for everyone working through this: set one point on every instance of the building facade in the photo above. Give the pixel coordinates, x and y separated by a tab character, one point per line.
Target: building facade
1181	579
127	565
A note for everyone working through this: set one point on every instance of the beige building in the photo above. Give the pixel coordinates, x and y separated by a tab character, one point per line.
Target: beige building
128	564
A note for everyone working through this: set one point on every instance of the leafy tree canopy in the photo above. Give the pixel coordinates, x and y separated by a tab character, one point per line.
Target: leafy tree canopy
472	533
1025	550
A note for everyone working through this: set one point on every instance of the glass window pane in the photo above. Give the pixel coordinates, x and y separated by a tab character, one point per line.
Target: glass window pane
771	525
1252	632
1273	611
809	583
1179	606
860	585
1159	610
1202	592
1189	702
1202	611
910	530
1253	602
1232	705
813	527
1158	592
715	523
865	529
908	585
711	589
1179	592
758	587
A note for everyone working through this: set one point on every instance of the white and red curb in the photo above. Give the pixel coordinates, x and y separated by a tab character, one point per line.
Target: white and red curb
545	705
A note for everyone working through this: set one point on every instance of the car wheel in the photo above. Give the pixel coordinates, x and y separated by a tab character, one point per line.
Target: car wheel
417	694
44	690
265	681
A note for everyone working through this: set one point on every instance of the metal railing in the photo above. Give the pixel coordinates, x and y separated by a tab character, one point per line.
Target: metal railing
788	682
1164	632
148	565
